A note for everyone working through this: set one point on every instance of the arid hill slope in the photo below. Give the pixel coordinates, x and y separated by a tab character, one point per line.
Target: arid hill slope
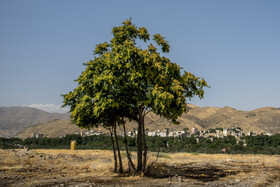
53	128
260	120
14	119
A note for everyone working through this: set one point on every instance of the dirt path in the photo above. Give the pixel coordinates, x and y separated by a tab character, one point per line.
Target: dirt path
94	168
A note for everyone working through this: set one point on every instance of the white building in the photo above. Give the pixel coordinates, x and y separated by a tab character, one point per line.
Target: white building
152	133
194	130
225	132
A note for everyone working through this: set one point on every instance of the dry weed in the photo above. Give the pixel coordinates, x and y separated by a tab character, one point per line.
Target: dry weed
10	161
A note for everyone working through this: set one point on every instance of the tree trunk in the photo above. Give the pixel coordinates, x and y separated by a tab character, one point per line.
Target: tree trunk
130	163
114	151
145	144
118	149
139	148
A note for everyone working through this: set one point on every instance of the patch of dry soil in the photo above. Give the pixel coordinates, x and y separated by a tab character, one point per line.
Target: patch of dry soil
94	168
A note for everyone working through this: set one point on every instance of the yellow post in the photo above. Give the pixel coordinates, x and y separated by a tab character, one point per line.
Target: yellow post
73	145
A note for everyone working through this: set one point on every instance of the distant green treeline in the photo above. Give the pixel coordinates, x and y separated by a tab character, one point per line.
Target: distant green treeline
261	144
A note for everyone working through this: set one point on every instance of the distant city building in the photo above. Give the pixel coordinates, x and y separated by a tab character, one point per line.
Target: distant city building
225	132
194	130
252	133
267	133
131	133
151	133
218	133
37	135
166	131
239	134
236	132
82	133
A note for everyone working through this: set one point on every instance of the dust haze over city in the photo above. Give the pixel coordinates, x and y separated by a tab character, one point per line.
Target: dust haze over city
125	70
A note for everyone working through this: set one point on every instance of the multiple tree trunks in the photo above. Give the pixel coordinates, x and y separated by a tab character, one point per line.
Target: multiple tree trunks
131	167
141	160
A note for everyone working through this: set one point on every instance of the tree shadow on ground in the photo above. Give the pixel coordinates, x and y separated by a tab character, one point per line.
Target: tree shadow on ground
204	173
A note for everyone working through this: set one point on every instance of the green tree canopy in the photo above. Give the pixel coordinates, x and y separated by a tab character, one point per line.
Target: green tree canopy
127	81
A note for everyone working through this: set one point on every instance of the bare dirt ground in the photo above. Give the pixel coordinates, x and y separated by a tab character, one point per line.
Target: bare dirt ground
94	168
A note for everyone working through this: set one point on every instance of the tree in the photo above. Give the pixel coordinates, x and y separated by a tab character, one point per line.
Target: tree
126	82
91	106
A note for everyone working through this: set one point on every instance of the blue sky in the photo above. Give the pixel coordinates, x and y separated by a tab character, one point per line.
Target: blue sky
234	45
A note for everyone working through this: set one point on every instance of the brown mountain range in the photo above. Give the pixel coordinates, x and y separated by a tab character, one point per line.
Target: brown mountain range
260	120
14	119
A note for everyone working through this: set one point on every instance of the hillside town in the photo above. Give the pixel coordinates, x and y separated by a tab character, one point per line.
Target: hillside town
237	132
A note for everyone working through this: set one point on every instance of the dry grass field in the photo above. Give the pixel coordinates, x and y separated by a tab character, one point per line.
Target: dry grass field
94	168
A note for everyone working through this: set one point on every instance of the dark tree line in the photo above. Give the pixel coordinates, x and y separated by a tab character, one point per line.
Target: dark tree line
260	144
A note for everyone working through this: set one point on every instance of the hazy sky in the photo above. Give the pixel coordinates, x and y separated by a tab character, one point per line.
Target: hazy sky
234	45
